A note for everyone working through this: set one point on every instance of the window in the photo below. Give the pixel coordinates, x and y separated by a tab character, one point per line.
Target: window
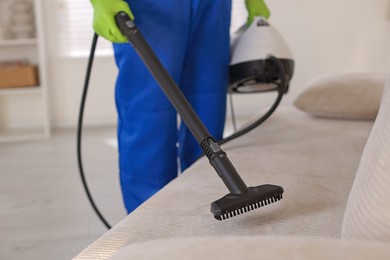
75	18
75	34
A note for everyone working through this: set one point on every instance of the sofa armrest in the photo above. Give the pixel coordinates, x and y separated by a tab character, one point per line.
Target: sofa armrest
255	247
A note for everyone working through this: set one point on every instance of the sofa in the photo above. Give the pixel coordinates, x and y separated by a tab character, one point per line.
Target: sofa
334	167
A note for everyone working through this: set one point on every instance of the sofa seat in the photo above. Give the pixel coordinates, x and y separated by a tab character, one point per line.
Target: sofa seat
315	160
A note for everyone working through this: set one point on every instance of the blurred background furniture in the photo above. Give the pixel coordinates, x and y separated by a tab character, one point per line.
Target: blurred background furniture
24	113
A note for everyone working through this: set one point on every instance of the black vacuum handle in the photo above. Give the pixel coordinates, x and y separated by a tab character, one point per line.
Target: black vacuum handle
167	84
218	158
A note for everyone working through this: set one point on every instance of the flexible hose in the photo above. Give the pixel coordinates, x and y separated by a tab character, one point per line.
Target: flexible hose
281	90
282	86
79	132
232	114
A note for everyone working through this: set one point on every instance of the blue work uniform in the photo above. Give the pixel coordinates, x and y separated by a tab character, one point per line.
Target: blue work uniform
191	38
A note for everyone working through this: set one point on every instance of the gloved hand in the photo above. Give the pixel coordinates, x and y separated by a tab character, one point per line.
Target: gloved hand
104	22
256	8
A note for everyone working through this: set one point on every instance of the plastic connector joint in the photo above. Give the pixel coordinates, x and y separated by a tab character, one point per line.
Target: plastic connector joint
211	148
222	165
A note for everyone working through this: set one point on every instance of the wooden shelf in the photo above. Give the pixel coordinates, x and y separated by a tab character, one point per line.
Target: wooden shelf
32	50
17	42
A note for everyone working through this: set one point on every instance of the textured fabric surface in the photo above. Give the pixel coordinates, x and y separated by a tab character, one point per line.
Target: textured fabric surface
255	248
386	88
349	96
368	212
315	160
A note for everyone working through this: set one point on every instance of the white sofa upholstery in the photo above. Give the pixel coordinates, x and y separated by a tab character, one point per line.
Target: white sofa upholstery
255	247
368	211
314	159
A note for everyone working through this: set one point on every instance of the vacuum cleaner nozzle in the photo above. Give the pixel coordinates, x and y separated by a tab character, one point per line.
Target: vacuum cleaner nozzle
232	205
241	199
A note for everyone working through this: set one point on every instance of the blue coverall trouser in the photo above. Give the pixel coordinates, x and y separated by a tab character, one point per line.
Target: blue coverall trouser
191	38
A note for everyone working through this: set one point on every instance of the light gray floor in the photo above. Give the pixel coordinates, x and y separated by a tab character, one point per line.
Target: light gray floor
44	212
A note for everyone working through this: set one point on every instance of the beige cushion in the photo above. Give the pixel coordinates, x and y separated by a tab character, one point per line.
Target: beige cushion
368	210
255	247
349	96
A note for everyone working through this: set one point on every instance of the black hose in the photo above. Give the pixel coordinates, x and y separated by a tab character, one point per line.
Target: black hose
79	132
281	91
232	114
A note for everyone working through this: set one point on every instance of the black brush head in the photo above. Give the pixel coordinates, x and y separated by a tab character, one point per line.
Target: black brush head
233	205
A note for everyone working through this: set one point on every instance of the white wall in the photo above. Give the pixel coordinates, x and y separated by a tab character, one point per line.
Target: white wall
333	36
66	78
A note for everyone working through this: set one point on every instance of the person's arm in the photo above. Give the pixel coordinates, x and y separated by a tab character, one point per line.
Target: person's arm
104	18
256	8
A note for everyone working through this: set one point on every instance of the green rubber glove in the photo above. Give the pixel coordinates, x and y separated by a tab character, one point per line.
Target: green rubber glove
104	22
256	8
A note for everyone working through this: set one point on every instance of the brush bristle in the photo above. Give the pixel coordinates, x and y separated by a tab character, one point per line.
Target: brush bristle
249	208
256	197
